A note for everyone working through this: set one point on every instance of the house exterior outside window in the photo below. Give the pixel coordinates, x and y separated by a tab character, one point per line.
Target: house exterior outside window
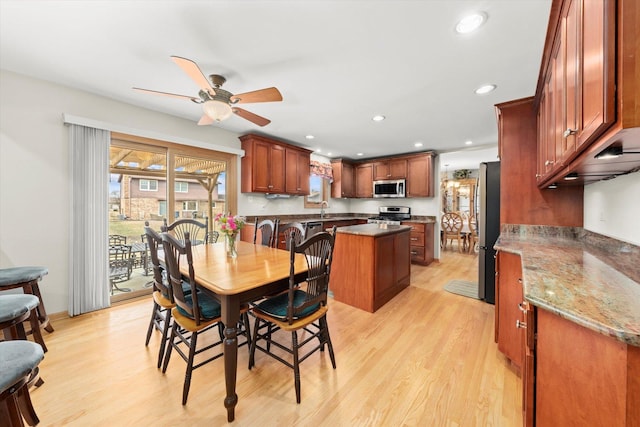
181	187
148	185
190	205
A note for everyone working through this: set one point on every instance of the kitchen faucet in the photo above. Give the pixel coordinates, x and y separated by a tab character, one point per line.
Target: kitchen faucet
323	204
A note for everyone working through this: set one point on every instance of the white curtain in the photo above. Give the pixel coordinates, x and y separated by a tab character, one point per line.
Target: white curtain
89	284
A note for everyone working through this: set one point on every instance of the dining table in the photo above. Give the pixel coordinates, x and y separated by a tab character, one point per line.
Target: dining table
255	272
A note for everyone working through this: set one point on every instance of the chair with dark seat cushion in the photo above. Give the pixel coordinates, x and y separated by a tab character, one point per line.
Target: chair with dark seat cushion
196	229
195	312
19	361
302	308
27	278
16	309
297	230
267	231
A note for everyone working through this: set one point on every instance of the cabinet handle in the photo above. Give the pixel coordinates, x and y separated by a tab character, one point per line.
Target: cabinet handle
414	252
549	162
414	238
520	281
538	175
521	307
269	186
569	132
521	325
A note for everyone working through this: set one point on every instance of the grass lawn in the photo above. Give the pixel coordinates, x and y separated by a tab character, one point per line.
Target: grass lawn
132	229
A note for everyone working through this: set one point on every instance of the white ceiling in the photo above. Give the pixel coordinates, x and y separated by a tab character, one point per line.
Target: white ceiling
336	63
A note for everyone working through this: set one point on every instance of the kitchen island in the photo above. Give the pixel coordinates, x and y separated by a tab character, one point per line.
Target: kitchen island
371	264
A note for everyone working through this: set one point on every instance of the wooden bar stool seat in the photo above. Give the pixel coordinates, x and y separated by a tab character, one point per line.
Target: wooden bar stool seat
16	309
19	360
27	278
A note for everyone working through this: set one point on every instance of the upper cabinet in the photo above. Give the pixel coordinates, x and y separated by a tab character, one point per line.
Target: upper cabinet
343	184
274	167
587	89
355	179
390	169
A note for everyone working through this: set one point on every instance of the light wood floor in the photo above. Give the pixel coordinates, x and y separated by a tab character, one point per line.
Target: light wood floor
427	358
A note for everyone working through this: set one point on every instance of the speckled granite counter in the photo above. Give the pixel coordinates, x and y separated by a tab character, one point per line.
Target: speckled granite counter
373	230
581	276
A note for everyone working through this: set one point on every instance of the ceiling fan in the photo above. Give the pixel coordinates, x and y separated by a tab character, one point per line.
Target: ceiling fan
217	103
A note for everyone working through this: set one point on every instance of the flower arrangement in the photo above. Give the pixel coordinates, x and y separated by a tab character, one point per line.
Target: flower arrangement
230	226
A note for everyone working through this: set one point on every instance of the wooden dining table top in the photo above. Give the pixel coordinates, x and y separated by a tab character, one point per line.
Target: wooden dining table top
255	266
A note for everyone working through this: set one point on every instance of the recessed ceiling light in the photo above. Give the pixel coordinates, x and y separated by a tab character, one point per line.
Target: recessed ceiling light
318	150
309	136
418	144
468	142
378	118
329	154
471	23
359	154
485	89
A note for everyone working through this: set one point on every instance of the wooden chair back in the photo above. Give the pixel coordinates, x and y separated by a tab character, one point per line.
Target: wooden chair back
452	223
196	229
318	252
176	251
267	229
154	241
295	230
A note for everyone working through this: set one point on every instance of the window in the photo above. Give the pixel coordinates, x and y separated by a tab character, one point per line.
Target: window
182	187
162	208
190	206
148	185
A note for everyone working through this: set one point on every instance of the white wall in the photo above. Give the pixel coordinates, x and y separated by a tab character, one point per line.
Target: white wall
34	169
612	208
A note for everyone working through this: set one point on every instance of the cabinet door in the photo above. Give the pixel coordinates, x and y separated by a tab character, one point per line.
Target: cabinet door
297	172
381	170
364	180
402	255
398	168
348	180
598	69
276	165
419	177
261	167
570	37
384	277
509	288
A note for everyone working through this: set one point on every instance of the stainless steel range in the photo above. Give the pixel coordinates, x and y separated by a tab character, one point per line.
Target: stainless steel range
391	215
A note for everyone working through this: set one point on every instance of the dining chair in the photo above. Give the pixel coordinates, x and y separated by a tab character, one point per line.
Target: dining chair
302	308
211	237
297	230
162	295
451	224
472	236
267	230
195	312
196	229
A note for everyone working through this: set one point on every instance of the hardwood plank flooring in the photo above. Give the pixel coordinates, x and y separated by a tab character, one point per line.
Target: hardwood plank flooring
426	358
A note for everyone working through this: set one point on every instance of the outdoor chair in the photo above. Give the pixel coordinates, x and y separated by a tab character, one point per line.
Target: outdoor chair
120	266
212	237
117	239
298	309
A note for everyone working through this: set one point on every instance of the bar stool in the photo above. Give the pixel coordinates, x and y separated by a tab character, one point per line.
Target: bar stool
27	278
19	360
16	309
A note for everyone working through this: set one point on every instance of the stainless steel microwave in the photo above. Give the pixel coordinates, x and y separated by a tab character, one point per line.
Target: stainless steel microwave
389	188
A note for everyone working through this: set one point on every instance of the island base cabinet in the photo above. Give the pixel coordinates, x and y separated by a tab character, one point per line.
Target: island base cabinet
584	378
367	271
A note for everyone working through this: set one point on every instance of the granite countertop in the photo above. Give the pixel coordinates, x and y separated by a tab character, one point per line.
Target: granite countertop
338	217
373	230
588	279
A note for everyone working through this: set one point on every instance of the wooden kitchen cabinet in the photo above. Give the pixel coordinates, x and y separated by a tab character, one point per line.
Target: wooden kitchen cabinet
583	378
364	180
390	169
422	242
420	176
508	312
264	167
344	182
297	168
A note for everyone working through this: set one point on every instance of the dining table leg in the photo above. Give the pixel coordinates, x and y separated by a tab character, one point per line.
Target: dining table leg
230	305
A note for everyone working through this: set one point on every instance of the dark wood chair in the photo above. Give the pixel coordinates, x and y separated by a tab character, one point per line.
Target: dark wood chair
196	229
19	360
298	309
194	313
267	230
120	266
296	230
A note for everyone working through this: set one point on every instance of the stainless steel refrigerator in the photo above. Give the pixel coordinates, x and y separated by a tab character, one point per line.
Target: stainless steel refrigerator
488	220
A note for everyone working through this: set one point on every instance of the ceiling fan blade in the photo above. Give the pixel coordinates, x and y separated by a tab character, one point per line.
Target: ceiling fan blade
173	95
254	118
205	120
193	71
263	95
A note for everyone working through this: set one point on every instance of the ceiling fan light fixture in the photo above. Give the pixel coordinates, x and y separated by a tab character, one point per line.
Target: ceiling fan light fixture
217	110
